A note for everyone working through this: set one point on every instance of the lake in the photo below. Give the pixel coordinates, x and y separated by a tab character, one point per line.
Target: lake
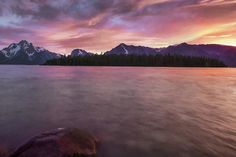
135	112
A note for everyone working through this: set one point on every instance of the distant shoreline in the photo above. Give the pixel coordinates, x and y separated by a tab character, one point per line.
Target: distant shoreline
43	65
133	66
137	61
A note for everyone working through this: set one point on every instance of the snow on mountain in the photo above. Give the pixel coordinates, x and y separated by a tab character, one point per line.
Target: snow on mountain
13	49
124	49
80	52
39	49
226	54
24	52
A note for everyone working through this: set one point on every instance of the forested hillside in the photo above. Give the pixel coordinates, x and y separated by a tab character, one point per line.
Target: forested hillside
133	60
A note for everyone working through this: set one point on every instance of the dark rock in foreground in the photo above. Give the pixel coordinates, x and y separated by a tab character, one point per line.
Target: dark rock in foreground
59	143
3	151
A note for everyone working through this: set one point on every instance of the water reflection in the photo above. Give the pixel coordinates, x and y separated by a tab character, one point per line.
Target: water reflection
135	111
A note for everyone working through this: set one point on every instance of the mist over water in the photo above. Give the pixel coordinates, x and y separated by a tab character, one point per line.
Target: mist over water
135	112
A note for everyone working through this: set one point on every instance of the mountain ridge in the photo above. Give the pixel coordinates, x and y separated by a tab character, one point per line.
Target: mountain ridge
224	53
80	52
124	49
25	52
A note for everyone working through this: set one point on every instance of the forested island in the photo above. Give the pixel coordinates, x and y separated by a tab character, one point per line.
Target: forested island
134	60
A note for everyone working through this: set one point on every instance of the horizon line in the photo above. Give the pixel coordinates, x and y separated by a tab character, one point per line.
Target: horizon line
102	52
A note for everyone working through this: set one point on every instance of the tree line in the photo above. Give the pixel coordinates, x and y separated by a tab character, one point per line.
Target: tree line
134	60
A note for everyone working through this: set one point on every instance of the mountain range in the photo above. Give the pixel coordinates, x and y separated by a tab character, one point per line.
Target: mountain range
226	54
25	52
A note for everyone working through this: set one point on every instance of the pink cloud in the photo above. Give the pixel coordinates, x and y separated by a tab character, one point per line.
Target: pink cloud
100	25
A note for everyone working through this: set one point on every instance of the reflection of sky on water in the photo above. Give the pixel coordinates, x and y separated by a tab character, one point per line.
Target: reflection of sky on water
135	111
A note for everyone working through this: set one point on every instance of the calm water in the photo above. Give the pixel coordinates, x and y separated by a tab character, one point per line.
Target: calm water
136	112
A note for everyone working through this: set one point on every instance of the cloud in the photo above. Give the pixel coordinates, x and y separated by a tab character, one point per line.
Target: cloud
78	9
99	25
41	12
103	40
225	34
163	7
13	32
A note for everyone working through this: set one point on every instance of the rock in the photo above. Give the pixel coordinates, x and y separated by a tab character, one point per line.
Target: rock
59	143
3	151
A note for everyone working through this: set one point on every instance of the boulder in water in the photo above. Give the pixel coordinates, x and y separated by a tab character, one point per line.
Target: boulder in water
59	143
3	151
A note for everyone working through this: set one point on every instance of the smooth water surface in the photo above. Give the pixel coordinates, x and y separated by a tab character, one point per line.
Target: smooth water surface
135	112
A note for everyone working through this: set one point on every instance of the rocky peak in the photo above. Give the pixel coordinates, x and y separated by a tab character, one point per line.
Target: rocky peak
79	52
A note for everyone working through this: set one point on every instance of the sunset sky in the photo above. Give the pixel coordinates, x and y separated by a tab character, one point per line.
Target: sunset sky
99	25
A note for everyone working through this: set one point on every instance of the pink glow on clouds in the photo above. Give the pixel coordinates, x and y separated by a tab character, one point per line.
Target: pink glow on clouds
98	26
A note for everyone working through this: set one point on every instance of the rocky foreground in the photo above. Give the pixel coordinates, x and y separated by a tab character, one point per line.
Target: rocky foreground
59	143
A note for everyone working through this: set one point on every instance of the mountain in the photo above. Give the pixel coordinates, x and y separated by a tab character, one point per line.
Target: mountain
25	52
124	49
226	54
80	52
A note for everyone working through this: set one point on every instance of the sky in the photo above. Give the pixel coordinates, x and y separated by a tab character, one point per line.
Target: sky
99	25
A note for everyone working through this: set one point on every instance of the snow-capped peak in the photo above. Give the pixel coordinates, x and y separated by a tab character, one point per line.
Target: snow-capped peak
25	42
24	47
39	49
5	53
79	52
126	51
12	45
11	51
24	52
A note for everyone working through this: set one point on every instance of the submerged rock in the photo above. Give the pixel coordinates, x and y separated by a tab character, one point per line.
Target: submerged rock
59	143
